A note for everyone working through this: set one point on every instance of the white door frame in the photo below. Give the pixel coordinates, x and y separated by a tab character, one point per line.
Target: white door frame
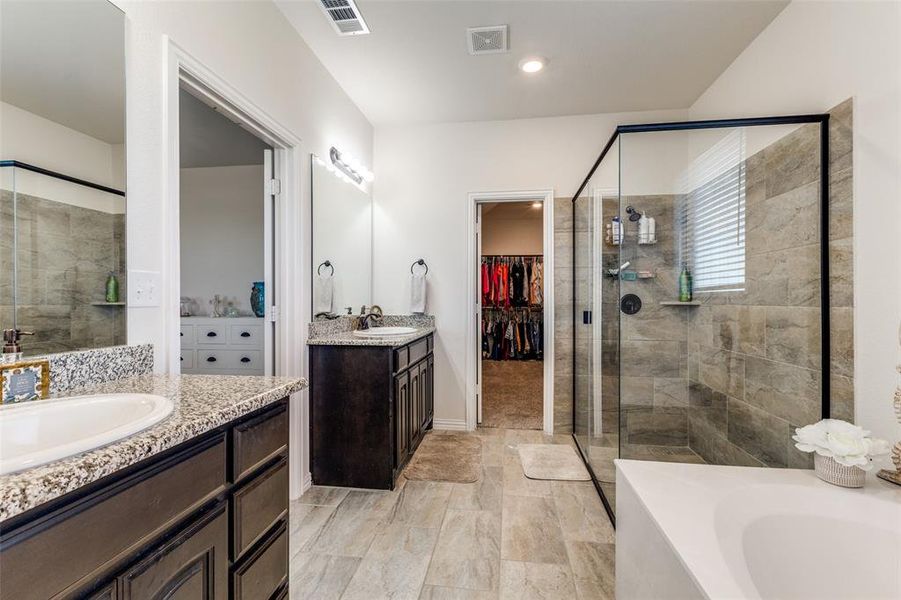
473	295
183	70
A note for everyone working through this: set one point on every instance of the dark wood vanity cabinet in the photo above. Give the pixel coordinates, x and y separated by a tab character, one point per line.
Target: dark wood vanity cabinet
206	520
369	408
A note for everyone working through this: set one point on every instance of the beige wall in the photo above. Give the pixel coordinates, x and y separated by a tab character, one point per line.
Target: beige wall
512	234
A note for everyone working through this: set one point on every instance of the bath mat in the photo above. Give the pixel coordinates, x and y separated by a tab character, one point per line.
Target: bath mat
552	461
447	457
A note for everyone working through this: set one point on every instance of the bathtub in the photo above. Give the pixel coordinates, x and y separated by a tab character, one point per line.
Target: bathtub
703	531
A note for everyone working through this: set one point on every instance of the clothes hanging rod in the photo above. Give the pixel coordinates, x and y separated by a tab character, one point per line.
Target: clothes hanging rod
513	255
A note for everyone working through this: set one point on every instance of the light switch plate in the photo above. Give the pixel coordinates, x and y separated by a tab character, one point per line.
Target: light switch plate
143	288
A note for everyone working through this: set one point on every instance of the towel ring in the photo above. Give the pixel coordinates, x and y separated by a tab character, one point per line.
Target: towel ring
420	262
328	264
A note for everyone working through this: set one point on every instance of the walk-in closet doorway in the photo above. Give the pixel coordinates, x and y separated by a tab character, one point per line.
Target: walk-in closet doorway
510	358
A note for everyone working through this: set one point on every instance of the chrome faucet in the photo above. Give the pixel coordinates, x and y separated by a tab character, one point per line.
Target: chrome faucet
374	314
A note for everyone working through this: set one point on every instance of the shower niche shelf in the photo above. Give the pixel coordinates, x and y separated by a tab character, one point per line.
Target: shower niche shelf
677	303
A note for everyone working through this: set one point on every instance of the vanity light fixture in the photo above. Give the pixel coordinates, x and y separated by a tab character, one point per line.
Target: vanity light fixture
532	64
349	168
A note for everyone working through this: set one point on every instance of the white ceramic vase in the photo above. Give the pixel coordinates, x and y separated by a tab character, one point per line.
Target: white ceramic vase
835	473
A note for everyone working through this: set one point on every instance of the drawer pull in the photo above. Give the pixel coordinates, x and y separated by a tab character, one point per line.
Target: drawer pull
211	359
181	333
244	359
211	334
245	334
182	359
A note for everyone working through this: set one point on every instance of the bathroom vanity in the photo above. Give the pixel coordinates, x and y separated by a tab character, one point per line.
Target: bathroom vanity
195	506
371	403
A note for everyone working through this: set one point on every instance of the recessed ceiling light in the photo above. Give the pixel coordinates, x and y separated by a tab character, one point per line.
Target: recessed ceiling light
532	65
536	204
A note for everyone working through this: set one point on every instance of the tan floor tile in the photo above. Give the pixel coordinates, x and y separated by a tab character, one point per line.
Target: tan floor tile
517	484
421	504
485	494
531	532
354	523
535	581
436	592
593	569
320	576
394	566
467	554
306	521
323	495
581	513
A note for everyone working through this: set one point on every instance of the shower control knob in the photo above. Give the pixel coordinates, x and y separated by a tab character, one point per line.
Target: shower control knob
630	304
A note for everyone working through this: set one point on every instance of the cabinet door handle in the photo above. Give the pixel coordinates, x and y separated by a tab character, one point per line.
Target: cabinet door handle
181	333
245	334
182	359
211	334
244	359
211	359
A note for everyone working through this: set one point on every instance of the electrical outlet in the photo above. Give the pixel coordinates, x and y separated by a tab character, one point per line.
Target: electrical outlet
143	288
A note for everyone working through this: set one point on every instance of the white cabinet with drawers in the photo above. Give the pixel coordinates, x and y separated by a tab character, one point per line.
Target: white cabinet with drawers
222	346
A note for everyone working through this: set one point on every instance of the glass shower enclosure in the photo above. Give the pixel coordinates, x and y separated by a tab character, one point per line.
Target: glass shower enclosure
700	294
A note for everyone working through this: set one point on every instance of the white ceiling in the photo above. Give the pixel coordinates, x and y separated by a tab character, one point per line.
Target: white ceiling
207	138
604	56
65	61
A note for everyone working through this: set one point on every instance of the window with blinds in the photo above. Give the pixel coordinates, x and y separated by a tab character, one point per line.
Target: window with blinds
713	218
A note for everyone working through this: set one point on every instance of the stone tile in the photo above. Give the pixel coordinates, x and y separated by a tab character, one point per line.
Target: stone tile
535	581
395	565
637	391
841	402
709	405
759	433
530	530
421	504
651	358
793	335
670	392
306	521
840	132
323	495
722	370
783	277
737	328
793	160
714	448
786	391
435	592
581	513
788	220
842	341
467	554
657	426
320	576
593	568
485	494
354	524
841	204
841	273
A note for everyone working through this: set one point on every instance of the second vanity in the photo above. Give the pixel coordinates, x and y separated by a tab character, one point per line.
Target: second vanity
194	506
371	403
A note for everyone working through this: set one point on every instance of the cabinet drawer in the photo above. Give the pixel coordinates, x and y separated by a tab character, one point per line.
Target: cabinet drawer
245	335
401	359
192	565
243	359
187	359
418	350
187	335
211	334
212	359
259	504
89	533
260	439
264	571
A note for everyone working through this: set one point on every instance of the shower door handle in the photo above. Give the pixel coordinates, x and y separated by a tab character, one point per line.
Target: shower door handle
586	317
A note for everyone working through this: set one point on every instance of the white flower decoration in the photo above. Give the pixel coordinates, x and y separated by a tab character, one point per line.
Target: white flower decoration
848	444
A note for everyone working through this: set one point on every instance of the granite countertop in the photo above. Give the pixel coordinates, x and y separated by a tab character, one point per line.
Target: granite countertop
347	338
202	403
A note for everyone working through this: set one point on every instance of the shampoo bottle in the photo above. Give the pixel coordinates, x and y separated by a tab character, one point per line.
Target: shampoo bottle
112	288
685	284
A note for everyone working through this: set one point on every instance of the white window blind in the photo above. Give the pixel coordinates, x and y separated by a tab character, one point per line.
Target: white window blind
712	218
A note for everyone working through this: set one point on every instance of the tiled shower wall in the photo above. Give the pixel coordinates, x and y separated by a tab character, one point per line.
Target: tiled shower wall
564	225
754	357
65	253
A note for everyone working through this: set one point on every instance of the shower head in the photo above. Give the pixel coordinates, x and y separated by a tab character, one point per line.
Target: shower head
634	215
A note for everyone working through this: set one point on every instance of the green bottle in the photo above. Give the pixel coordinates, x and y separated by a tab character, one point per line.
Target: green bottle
685	284
112	288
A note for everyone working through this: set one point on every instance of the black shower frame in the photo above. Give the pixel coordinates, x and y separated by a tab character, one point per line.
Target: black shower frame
825	349
35	169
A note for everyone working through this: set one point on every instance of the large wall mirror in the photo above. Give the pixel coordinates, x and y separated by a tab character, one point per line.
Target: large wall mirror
342	242
62	143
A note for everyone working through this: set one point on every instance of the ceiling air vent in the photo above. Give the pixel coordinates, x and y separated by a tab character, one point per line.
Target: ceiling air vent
487	40
344	16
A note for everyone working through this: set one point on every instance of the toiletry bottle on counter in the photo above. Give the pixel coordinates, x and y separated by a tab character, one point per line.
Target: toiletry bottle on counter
644	229
652	230
685	284
112	288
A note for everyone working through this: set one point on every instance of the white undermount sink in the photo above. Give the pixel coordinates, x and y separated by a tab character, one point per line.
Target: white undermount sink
375	332
41	431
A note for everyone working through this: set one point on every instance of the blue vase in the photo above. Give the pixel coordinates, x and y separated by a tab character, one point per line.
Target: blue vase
258	299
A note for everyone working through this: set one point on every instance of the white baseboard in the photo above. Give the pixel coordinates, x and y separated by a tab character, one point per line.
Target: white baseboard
450	424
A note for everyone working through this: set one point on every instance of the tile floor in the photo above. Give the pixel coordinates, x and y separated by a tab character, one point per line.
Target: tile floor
504	536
